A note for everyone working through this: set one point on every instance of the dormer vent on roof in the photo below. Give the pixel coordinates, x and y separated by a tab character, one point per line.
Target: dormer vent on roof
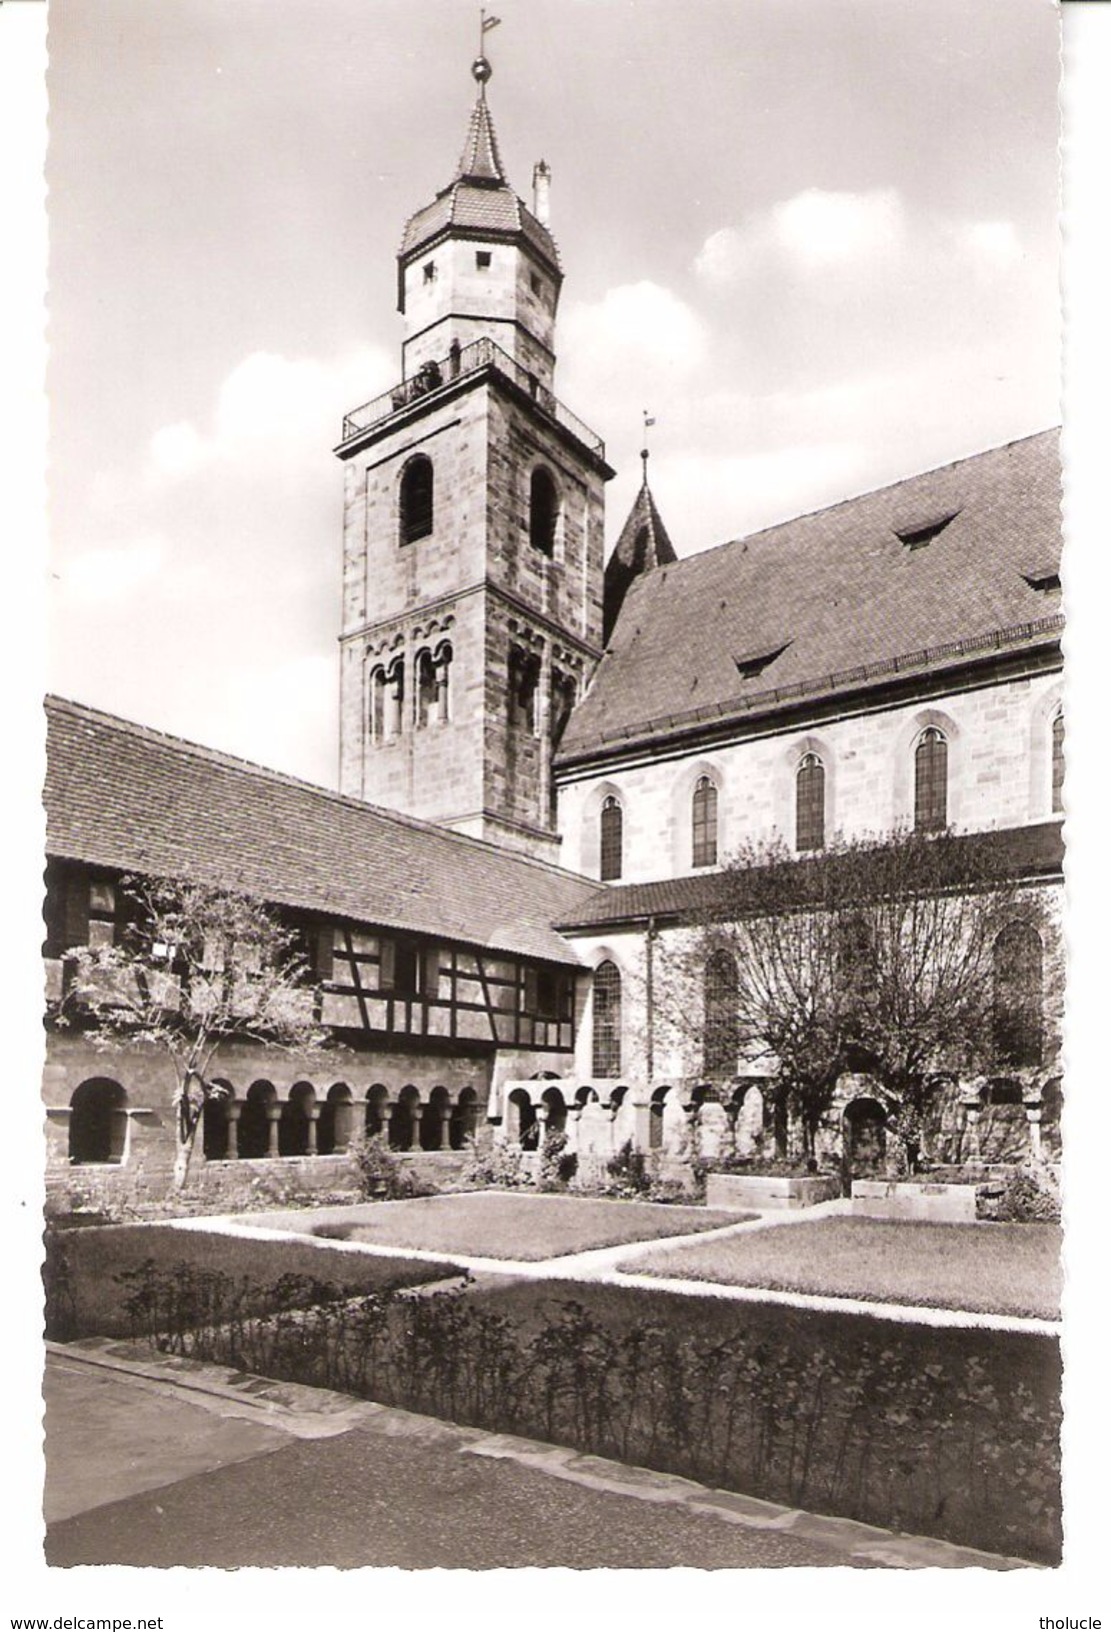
924	532
1045	579
750	664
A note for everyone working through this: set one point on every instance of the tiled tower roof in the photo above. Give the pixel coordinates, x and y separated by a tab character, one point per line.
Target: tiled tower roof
643	544
478	199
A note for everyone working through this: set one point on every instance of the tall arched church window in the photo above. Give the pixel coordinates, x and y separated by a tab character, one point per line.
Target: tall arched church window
1017	996
931	782
810	804
704	824
610	833
416	499
721	1030
607	1020
543	511
1057	774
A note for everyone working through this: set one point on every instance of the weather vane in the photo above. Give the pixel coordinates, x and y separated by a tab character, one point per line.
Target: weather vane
480	67
648	421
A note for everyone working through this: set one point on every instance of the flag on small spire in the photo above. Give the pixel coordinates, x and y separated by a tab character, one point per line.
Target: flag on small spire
489	22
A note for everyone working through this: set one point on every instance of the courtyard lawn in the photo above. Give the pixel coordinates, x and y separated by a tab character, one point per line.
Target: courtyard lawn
500	1224
1003	1269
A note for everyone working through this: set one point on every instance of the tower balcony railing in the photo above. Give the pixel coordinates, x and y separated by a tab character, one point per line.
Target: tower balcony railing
433	377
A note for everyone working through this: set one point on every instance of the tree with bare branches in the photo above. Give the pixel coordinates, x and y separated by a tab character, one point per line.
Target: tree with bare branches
193	966
875	956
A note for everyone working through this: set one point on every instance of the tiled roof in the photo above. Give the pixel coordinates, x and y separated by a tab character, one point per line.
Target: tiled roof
479	199
480	159
833	593
1016	853
643	545
123	797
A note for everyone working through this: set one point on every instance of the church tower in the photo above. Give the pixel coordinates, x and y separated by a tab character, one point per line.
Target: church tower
473	524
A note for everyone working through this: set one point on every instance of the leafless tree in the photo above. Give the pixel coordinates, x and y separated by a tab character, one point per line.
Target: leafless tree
193	966
877	956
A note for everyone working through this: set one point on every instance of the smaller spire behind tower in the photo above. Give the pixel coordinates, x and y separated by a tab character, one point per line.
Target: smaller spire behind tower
643	545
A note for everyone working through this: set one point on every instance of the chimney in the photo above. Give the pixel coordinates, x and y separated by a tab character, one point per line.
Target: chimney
541	190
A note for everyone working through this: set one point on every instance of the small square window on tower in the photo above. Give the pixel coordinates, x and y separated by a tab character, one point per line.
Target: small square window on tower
482	259
536	284
429	271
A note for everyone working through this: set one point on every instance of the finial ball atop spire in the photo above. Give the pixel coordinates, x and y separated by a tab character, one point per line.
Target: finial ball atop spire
481	70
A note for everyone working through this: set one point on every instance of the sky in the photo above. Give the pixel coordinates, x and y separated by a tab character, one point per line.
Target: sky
815	239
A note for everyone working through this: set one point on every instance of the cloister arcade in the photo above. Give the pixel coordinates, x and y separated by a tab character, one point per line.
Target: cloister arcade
262	1124
322	1122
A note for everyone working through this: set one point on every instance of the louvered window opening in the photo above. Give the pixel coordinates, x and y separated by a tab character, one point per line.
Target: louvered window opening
611	823
810	804
607	1020
704	824
931	778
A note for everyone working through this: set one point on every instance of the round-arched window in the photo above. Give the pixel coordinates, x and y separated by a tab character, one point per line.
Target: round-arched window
704	824
416	509
931	782
543	511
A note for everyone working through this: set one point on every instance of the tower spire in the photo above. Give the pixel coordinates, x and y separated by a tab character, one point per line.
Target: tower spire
480	159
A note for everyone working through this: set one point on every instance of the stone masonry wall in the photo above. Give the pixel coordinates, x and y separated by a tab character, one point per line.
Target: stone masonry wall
999	776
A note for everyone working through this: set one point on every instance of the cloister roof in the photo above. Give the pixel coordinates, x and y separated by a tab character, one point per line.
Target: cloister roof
1018	854
127	798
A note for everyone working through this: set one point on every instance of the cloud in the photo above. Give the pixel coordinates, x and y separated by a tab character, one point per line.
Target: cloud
635	327
270	407
814	231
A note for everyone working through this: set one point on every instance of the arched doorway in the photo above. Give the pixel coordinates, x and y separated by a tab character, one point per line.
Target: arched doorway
333	1134
404	1119
98	1122
254	1122
216	1121
520	1120
864	1138
464	1119
377	1110
293	1128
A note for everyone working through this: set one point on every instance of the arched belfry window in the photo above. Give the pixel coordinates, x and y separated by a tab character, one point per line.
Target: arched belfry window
425	689
810	804
1017	996
524	689
1057	771
543	511
704	824
610	824
377	704
416	499
607	1020
721	1029
442	671
931	782
394	709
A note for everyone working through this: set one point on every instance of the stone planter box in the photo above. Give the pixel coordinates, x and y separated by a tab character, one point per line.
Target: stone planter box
743	1192
937	1203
